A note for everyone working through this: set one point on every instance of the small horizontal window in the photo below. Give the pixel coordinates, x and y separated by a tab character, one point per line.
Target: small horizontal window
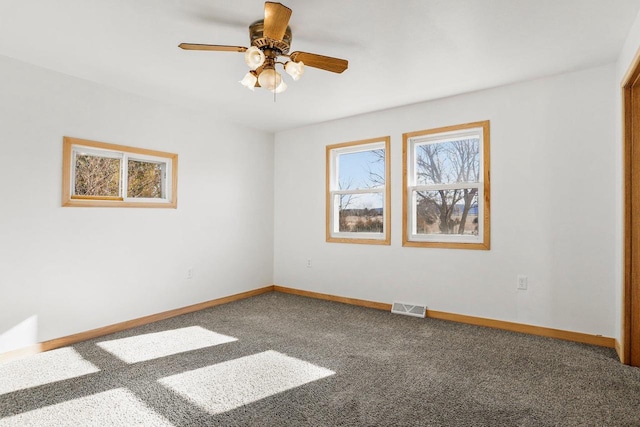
108	175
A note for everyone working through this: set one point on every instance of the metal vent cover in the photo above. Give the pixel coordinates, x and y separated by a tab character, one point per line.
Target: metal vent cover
409	309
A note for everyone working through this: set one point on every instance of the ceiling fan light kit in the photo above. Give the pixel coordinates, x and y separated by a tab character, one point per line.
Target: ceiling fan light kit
254	57
294	69
271	39
269	78
249	81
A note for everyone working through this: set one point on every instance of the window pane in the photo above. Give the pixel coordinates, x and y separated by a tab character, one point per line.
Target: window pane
145	179
97	176
361	170
446	211
456	160
360	213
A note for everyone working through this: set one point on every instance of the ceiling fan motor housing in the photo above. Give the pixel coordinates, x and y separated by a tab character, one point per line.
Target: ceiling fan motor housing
256	34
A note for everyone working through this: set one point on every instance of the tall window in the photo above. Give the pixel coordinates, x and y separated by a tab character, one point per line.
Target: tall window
358	192
446	182
108	175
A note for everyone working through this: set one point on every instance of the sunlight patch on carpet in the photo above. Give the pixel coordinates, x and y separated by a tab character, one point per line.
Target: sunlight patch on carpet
228	385
43	368
144	347
117	407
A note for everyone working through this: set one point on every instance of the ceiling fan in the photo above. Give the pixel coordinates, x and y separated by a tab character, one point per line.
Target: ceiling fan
270	39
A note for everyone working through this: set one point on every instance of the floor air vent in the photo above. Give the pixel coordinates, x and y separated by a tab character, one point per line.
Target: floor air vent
409	309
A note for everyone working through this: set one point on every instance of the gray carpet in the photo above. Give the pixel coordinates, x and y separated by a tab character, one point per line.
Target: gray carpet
283	360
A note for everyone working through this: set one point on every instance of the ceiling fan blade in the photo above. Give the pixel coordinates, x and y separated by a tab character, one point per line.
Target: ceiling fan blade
276	19
335	65
214	47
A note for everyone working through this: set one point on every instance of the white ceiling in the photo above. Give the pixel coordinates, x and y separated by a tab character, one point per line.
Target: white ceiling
399	52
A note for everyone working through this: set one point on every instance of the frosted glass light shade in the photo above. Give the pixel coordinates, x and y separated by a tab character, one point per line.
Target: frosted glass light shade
254	57
269	79
249	81
281	87
294	69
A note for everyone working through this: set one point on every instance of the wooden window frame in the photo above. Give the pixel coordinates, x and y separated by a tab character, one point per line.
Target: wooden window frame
71	200
484	239
337	237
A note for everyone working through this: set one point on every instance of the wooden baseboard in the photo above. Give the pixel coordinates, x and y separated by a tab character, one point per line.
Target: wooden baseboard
117	327
580	337
20	353
344	300
618	348
106	330
460	318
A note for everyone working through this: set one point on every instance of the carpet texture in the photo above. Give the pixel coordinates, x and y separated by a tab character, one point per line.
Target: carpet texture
284	360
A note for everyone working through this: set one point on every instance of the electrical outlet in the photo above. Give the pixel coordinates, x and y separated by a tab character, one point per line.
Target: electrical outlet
523	282
190	273
308	263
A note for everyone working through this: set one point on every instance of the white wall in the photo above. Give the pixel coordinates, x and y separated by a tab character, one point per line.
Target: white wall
67	270
553	169
74	269
625	59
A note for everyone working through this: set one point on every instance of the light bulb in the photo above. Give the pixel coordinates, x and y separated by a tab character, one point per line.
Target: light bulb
269	79
249	81
294	69
281	87
254	57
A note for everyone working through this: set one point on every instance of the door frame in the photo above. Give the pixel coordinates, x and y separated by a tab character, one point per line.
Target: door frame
629	350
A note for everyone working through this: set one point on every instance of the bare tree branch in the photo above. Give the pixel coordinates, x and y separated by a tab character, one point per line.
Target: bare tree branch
447	163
